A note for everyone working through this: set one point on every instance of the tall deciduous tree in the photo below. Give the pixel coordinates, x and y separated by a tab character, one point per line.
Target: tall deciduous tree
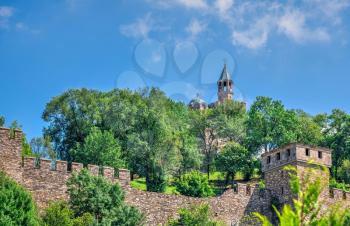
232	159
2	121
102	199
99	148
270	125
337	132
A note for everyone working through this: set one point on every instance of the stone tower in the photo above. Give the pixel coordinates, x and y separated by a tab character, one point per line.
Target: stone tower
303	157
225	86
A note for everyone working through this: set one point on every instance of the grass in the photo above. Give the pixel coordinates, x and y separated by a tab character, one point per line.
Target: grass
140	184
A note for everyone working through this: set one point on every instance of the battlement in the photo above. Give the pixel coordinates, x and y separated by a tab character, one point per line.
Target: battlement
46	179
293	153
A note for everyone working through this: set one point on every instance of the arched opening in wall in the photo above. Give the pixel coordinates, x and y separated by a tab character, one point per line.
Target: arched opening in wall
331	193
344	195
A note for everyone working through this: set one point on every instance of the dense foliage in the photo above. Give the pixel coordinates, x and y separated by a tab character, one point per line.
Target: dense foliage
156	138
16	204
101	198
232	159
100	148
194	216
193	184
307	206
59	214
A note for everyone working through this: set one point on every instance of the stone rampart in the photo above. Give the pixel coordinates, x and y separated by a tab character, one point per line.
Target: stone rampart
46	180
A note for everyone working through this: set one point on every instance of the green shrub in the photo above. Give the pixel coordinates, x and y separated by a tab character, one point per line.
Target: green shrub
103	199
344	171
16	204
193	184
59	214
194	216
155	180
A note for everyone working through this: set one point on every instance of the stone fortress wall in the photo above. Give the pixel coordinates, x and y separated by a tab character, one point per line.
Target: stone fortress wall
47	183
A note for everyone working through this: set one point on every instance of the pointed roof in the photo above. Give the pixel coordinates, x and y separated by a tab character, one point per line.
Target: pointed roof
224	74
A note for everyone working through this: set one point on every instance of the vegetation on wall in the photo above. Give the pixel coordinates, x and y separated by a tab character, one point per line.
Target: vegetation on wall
158	138
193	184
307	208
100	198
195	216
16	204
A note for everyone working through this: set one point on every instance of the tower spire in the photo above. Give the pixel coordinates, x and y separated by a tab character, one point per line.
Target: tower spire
225	85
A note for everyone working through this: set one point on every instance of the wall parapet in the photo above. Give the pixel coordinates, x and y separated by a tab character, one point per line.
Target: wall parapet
63	167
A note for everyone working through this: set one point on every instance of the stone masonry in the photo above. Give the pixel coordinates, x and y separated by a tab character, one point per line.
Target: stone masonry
47	182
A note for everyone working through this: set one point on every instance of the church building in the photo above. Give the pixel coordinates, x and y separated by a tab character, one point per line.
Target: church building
225	92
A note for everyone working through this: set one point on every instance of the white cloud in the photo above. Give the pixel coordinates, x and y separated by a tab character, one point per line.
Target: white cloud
139	29
6	11
193	4
251	23
189	4
195	27
292	24
255	37
223	6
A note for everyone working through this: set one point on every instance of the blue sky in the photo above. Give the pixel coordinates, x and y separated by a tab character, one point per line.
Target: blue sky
294	51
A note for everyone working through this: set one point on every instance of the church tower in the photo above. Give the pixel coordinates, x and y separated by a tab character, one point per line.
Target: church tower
225	86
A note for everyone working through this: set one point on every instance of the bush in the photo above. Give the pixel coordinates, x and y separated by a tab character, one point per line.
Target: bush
155	180
59	214
193	184
16	204
105	200
194	216
344	171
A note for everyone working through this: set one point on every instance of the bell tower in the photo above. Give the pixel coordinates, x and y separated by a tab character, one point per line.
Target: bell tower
225	86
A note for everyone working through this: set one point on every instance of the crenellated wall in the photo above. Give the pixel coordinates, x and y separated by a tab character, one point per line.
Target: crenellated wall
47	182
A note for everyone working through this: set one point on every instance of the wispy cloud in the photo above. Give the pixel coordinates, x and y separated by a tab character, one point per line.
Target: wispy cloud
252	22
5	13
195	27
138	29
292	24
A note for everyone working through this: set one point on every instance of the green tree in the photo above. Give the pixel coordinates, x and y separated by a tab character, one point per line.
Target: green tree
337	137
203	128
344	171
99	197
2	121
307	205
194	216
59	214
71	116
193	184
308	129
232	159
16	204
270	125
99	148
229	121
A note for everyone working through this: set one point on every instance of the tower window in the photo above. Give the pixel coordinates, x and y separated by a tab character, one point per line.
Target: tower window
319	154
307	152
268	161
288	152
282	190
224	83
278	156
